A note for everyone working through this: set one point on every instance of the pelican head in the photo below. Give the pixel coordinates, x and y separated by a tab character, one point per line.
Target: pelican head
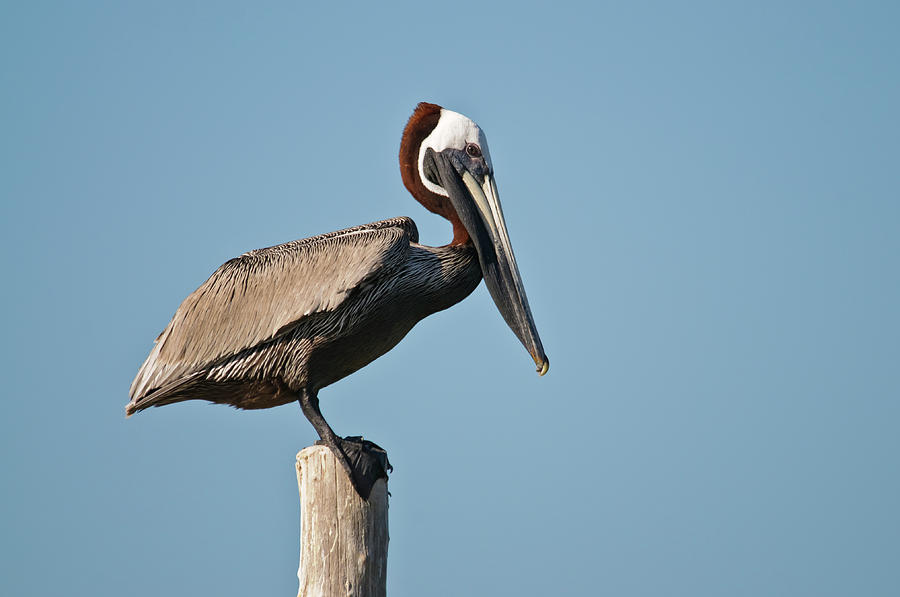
446	165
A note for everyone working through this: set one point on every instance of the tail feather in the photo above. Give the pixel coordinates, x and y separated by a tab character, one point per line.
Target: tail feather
243	394
170	393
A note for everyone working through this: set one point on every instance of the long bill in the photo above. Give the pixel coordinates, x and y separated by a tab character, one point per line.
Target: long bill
478	206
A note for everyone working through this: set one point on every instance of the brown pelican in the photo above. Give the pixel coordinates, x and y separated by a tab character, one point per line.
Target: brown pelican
278	324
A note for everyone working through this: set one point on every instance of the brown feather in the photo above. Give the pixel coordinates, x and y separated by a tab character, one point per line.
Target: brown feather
422	122
301	315
263	293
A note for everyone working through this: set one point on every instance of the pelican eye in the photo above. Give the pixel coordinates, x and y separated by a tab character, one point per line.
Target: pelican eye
473	150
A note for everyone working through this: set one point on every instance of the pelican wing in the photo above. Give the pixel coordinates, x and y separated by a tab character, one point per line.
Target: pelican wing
261	294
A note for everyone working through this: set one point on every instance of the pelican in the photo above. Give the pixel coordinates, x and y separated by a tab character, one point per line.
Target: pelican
276	325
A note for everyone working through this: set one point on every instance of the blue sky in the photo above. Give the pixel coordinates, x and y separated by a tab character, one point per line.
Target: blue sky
703	200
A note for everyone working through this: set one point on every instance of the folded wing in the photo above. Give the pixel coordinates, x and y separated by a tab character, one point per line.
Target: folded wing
264	293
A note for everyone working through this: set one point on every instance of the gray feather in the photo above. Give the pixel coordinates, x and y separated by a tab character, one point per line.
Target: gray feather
266	293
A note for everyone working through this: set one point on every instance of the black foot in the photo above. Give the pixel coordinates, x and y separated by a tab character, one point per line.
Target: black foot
364	461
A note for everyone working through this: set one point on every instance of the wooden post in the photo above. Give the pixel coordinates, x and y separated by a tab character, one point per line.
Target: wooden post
343	539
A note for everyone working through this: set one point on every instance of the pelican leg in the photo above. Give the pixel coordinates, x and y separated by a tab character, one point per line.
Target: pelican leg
364	461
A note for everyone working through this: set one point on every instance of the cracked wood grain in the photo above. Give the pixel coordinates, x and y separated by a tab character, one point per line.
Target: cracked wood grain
343	539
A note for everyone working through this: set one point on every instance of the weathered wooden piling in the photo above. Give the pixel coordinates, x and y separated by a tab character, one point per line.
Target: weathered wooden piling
343	538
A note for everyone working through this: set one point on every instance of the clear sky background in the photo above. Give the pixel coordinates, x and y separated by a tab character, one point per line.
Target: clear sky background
704	199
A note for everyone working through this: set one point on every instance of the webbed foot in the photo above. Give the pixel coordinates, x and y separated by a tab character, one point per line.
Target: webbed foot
364	461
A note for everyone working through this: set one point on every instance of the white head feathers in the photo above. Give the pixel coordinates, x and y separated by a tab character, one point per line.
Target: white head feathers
453	131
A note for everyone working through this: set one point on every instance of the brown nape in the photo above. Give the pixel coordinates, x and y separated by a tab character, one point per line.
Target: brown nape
421	123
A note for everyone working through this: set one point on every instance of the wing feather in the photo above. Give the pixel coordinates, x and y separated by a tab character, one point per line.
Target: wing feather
261	294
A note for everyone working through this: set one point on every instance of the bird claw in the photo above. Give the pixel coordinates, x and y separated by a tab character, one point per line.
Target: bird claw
364	461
